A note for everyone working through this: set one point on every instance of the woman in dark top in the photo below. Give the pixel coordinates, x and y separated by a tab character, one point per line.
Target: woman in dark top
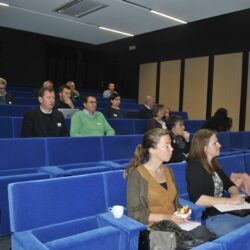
114	110
157	121
219	122
206	183
179	138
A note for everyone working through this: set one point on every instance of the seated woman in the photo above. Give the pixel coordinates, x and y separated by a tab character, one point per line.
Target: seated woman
157	122
206	182
151	189
114	110
179	138
219	121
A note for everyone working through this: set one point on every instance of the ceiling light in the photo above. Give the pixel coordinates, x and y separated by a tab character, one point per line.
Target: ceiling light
116	31
167	16
4	4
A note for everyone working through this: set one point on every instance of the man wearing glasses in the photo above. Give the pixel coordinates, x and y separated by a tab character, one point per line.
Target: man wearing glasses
5	98
89	122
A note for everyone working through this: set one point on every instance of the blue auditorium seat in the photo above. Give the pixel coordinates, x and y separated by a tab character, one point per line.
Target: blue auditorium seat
179	170
7	177
6	127
14	110
68	213
193	125
225	141
233	163
247	163
122	126
17	126
240	140
67	150
22	153
140	126
119	148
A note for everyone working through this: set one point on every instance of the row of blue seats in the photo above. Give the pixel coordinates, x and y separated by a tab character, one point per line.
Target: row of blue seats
71	213
40	158
101	102
36	158
11	126
83	220
133	108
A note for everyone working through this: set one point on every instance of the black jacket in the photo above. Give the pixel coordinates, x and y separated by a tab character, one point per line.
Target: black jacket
38	124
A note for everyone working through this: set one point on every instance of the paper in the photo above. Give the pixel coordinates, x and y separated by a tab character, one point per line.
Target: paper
228	207
188	226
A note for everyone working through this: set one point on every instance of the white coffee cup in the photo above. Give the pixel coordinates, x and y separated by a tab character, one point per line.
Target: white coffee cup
117	211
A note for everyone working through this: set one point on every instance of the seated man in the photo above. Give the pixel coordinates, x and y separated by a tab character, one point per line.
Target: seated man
111	89
5	98
146	112
89	122
64	101
44	121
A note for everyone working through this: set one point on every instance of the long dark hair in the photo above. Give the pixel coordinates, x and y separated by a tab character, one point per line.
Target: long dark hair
141	154
197	152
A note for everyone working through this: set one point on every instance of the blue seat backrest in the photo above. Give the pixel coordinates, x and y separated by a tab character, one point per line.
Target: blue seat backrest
14	110
120	147
69	150
122	126
179	170
193	125
140	126
115	188
26	101
234	163
6	127
17	126
224	140
40	203
22	153
247	163
240	139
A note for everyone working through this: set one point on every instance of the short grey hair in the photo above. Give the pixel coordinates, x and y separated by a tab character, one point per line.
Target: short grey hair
149	98
3	81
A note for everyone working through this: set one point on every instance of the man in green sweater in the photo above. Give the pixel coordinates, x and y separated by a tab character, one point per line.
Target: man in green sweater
89	122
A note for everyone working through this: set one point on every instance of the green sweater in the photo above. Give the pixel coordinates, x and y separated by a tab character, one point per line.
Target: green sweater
84	125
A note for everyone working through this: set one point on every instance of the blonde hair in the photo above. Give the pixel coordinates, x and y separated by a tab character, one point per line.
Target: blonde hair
141	154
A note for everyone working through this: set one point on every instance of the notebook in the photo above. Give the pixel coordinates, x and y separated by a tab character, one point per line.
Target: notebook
68	113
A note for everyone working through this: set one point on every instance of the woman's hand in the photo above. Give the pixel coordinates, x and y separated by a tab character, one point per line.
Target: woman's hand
234	200
178	220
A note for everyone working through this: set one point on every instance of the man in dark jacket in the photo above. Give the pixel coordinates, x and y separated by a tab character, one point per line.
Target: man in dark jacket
44	121
5	98
146	112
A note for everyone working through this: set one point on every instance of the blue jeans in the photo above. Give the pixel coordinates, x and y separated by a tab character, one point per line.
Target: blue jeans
224	223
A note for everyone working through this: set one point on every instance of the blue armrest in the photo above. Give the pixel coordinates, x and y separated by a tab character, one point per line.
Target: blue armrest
131	227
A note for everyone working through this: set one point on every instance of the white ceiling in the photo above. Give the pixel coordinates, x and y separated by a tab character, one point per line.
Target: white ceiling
38	16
